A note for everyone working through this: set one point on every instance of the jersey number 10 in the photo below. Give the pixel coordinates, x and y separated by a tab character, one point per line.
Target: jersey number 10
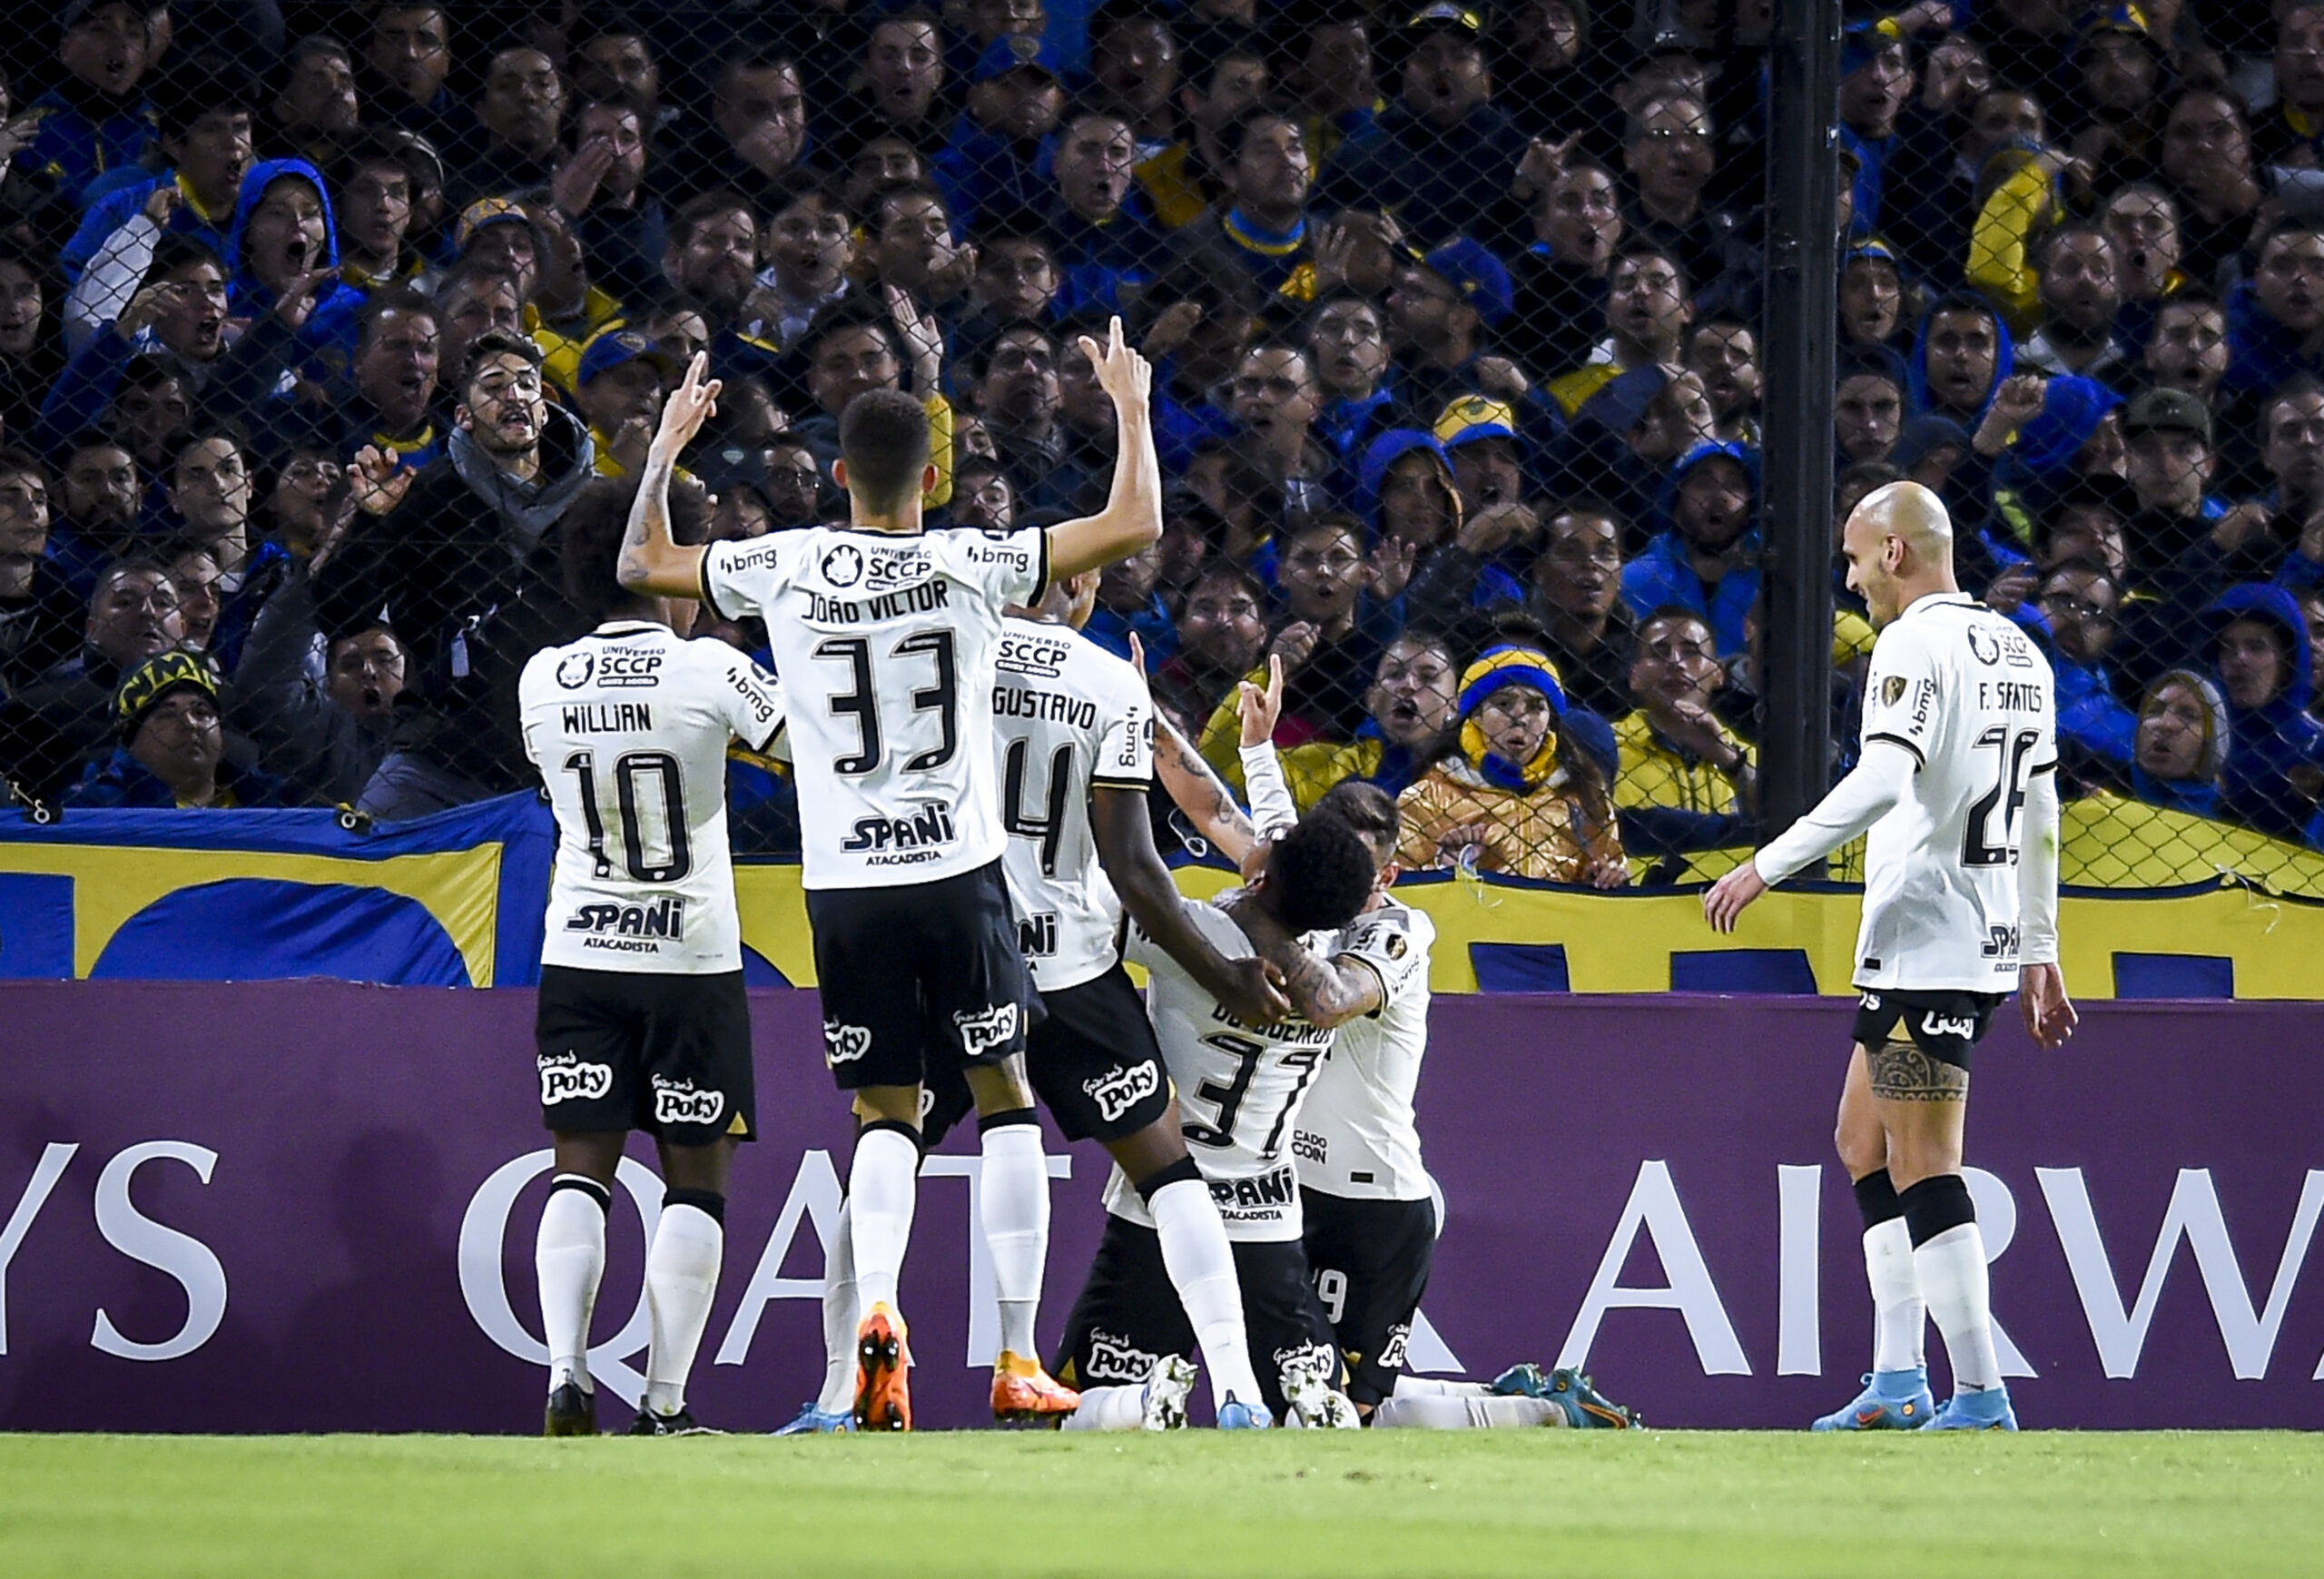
675	859
1979	844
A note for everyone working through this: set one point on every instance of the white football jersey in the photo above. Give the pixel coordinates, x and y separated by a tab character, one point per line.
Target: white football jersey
1067	715
885	646
629	726
1239	1089
1357	1135
1969	696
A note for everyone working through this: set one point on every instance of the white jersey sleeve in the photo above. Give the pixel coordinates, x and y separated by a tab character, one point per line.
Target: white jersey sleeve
1240	1089
1357	1136
629	728
885	644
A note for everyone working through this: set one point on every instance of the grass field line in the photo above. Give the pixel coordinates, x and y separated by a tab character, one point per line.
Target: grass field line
1276	1506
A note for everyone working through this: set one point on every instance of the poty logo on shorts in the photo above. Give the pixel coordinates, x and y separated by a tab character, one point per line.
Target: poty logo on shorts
986	1028
1118	1090
1872	1001
564	1078
1315	1357
1114	1358
1947	1025
1391	1353
677	1102
845	1043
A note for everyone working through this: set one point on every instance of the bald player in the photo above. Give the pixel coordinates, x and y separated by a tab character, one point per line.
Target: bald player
1955	779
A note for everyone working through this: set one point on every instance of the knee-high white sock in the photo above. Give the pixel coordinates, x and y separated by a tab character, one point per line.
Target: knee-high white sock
1439	1387
1952	1268
882	1185
1466	1413
569	1261
1201	1264
681	1281
1900	1316
1109	1409
1013	1200
838	1395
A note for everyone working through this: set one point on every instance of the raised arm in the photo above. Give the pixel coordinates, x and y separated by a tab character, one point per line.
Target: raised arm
1247	988
652	562
1200	793
1132	517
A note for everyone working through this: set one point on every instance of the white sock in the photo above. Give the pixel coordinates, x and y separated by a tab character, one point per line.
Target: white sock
1109	1409
881	1186
1899	1314
1952	1268
1465	1414
1014	1204
1201	1264
569	1261
680	1279
838	1317
1439	1387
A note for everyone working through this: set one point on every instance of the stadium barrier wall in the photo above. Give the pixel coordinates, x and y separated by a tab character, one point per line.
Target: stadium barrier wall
311	1207
457	900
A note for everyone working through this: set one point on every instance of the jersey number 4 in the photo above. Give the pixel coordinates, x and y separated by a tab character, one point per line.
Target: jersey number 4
1046	822
863	701
1981	846
675	857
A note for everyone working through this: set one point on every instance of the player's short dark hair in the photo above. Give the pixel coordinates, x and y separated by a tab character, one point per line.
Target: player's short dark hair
1368	809
590	533
495	343
883	439
1319	874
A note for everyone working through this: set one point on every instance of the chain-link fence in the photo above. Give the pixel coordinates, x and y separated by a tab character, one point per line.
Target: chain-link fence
1457	316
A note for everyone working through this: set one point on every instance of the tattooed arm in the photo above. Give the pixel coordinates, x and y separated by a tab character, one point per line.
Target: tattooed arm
1325	992
1200	793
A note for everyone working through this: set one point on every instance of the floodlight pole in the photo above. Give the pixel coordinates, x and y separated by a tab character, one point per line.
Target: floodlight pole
1803	285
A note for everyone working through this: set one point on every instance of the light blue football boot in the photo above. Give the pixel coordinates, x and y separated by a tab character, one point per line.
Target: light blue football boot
1987	1411
1891	1401
811	1421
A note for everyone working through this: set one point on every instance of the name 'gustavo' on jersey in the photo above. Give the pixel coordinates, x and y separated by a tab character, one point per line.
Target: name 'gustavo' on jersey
886	646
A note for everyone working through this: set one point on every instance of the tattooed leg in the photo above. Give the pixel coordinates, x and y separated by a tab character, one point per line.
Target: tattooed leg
1923	1102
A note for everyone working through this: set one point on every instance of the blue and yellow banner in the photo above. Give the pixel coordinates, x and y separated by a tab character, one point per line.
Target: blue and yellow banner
457	900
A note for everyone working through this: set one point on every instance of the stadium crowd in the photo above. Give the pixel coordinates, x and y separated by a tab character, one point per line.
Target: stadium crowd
320	322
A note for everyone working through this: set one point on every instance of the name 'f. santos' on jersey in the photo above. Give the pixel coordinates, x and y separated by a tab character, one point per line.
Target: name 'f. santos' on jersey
1970	696
629	727
1067	717
885	646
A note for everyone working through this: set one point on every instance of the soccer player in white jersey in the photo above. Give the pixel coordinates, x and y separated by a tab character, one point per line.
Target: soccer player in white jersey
642	1023
1369	1207
1956	790
1074	740
886	637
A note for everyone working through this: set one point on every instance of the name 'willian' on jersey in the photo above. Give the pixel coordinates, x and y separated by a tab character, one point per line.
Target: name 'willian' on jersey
1067	717
1970	696
1240	1089
885	644
629	727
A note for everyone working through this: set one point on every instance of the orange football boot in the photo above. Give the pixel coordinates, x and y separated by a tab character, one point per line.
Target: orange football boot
883	1364
1023	1394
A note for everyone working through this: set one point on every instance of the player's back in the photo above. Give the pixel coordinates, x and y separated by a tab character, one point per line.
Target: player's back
1068	717
1966	693
1240	1089
629	727
1357	1135
886	646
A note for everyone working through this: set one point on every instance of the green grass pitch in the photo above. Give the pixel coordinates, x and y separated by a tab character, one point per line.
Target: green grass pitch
1187	1505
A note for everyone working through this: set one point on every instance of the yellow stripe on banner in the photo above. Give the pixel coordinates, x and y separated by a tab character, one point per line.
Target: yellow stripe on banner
1623	943
111	884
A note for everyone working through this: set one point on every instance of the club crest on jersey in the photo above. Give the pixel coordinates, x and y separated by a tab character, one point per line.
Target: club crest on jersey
1114	1358
677	1102
986	1028
845	1043
1892	690
564	1078
1119	1090
843	564
573	669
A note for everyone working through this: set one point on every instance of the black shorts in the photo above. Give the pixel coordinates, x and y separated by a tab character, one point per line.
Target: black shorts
1943	1024
1129	1314
919	979
632	1050
1372	1260
1092	1060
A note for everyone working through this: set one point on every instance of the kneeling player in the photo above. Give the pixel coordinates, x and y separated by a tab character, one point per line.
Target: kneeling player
1370	1206
642	1023
1239	1087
